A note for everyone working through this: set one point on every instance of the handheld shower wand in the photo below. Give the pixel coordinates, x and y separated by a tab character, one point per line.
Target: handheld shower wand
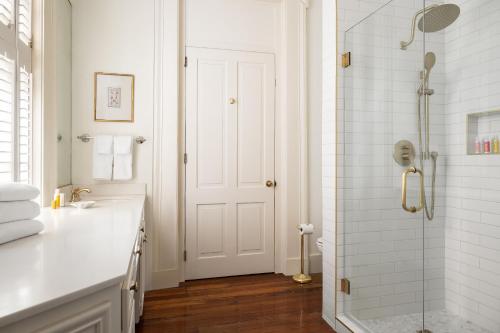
429	62
425	154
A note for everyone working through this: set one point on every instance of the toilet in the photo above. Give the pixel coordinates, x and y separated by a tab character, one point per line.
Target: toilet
319	244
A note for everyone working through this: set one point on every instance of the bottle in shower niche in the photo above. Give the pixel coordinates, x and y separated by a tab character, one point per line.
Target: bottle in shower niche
486	145
495	145
477	146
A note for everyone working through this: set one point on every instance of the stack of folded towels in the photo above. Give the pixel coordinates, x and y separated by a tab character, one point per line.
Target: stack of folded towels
17	212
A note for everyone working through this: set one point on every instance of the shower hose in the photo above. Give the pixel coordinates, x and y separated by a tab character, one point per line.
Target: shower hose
428	211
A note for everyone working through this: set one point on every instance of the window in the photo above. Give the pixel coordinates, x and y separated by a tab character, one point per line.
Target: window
15	91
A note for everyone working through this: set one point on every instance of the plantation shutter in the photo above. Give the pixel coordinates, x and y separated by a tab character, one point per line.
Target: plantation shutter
15	91
7	81
7	12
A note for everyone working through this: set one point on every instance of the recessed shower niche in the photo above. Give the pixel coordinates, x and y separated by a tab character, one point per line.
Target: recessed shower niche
483	127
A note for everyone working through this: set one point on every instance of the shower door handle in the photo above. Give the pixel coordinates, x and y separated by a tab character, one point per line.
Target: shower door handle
404	186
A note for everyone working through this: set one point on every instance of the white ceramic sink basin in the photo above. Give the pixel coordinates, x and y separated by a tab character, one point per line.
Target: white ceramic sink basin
83	204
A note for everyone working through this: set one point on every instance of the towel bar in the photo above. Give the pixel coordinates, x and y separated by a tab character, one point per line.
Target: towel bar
86	138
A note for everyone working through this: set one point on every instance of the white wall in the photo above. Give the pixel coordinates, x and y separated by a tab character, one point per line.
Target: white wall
63	58
473	182
230	24
119	36
329	96
315	95
114	36
53	67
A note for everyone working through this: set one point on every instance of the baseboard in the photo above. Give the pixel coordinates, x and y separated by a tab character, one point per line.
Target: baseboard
293	264
328	321
170	279
164	280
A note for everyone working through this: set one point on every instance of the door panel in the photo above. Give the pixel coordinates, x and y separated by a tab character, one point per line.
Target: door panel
211	123
251	228
210	226
230	146
251	118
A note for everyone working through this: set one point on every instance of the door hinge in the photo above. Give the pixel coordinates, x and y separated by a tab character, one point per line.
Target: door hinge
185	158
185	61
185	255
345	286
346	59
275	82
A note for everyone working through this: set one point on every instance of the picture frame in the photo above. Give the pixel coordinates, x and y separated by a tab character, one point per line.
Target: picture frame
114	97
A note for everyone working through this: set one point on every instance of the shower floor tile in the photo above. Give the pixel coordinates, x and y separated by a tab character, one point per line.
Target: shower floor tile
435	321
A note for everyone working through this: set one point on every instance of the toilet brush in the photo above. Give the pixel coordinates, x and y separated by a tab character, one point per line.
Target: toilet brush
302	278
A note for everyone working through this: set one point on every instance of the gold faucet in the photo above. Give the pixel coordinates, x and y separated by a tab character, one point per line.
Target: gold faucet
75	194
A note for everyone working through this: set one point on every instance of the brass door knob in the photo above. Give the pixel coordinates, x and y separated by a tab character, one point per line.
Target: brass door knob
232	100
270	183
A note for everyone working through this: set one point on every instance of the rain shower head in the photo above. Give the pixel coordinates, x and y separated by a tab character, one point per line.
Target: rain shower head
434	18
438	18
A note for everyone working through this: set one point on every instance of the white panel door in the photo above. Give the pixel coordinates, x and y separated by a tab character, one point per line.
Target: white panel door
230	147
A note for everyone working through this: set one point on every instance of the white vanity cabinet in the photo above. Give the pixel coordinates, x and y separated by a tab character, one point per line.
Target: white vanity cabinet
86	273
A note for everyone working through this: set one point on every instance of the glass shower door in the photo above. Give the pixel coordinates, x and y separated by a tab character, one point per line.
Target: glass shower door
380	227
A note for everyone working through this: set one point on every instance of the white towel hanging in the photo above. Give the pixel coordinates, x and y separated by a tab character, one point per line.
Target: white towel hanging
103	157
123	158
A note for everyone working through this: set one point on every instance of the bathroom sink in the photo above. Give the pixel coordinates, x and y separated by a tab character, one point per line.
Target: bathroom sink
83	204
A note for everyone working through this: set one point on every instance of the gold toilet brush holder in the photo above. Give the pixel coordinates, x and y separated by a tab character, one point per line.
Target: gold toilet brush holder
302	278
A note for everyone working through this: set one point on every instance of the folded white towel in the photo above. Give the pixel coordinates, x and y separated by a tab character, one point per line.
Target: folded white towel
103	157
123	159
18	192
18	210
19	229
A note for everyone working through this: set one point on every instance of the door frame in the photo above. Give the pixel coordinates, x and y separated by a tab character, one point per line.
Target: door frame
167	222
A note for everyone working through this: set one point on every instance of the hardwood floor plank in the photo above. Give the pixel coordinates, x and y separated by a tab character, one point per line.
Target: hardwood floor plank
266	303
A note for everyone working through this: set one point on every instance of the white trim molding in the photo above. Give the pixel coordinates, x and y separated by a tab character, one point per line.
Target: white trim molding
165	265
293	196
38	96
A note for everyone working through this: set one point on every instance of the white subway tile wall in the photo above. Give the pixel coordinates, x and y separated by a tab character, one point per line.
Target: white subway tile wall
473	182
380	247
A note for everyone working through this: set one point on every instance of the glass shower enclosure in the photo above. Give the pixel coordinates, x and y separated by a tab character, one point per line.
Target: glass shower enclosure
407	134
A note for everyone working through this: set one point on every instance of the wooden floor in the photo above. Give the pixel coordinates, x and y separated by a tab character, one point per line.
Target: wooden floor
266	303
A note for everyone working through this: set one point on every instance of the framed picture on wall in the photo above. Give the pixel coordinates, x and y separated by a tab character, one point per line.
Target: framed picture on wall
114	97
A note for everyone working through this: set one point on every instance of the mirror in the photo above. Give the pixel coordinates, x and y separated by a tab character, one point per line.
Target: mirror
63	82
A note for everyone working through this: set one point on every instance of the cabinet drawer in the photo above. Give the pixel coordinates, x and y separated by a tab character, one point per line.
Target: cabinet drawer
129	287
130	328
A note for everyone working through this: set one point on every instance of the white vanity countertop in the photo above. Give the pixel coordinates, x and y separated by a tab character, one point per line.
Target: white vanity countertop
78	253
